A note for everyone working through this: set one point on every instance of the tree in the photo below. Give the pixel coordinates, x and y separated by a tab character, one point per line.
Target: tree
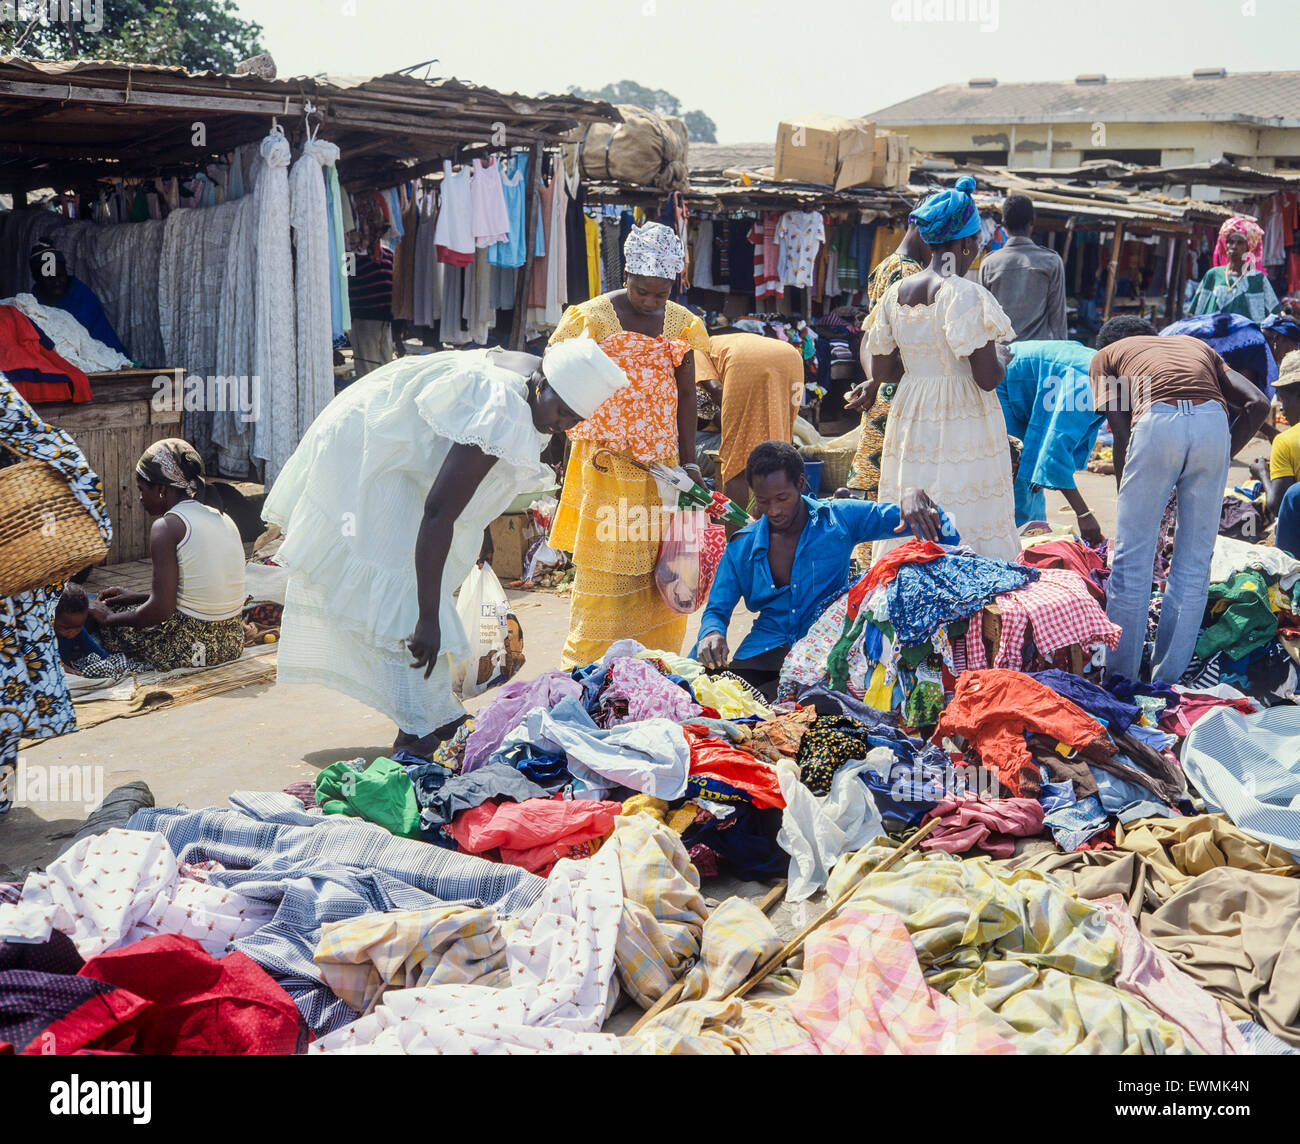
700	126
205	34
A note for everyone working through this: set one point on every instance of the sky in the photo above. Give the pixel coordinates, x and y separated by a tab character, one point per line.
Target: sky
750	63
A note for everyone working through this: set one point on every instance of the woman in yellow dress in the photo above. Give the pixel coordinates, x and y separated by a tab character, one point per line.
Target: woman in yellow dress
609	517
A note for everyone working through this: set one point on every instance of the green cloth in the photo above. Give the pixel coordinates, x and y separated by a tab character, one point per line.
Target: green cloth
1245	624
383	793
1251	295
837	660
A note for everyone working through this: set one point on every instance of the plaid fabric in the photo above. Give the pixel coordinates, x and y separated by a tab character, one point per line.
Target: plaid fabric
663	910
1062	611
361	958
1018	945
316	870
863	992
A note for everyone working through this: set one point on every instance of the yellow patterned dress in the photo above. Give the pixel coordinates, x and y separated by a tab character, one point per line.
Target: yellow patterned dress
606	518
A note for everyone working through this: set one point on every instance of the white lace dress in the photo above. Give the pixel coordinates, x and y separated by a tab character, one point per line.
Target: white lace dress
946	435
349	502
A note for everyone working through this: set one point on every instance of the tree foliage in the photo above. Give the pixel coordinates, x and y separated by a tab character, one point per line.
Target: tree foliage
194	34
701	127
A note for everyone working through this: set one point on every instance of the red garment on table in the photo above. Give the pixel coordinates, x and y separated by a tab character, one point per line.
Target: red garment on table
719	760
991	824
1061	611
994	709
535	833
884	570
1195	704
200	1004
28	361
1067	554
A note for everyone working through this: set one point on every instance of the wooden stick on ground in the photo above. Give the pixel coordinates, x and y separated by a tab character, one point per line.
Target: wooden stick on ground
669	999
782	955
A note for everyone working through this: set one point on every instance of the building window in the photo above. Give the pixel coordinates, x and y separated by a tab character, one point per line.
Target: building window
983	158
1143	157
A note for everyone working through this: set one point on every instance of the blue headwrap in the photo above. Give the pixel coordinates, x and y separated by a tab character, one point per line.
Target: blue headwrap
948	215
1283	325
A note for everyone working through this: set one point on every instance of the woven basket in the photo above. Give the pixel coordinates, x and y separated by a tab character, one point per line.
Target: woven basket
836	465
46	534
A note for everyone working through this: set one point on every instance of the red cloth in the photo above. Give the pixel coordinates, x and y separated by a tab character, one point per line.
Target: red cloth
1195	704
884	570
200	1004
991	824
28	361
1067	554
994	709
46	1013
535	833
718	759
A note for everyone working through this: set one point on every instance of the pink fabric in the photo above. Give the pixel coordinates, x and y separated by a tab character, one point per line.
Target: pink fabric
512	703
1181	719
977	658
648	693
535	833
990	824
1241	224
1063	612
862	991
1154	978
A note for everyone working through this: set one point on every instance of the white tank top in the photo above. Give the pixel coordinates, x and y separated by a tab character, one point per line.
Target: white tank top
211	559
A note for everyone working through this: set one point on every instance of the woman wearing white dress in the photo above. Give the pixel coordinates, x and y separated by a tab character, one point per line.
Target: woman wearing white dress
937	332
383	507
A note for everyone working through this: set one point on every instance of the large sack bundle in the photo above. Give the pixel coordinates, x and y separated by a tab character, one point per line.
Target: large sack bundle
646	148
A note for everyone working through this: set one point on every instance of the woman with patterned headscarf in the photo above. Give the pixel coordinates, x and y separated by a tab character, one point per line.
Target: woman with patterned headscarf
608	517
936	334
191	616
1236	284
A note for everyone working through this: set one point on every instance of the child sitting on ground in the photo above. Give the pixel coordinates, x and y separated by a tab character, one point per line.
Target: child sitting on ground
80	652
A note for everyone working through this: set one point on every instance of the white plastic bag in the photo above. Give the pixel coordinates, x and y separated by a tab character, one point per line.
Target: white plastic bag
495	637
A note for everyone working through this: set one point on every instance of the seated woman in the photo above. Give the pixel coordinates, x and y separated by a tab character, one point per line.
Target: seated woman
191	615
794	561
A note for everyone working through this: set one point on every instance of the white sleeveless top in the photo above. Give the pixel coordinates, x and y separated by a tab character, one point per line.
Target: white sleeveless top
211	559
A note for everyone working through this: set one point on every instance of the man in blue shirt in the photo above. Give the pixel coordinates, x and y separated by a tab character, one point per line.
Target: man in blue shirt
794	560
1047	402
54	286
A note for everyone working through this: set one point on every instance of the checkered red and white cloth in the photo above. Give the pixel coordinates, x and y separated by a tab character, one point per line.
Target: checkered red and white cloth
1062	612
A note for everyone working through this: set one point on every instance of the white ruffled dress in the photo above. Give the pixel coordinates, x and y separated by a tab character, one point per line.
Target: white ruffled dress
350	501
945	434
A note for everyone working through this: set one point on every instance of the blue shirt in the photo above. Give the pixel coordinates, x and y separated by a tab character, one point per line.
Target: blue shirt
80	301
1047	402
819	574
80	646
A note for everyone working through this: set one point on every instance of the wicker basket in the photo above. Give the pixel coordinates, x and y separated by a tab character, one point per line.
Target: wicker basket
836	466
46	534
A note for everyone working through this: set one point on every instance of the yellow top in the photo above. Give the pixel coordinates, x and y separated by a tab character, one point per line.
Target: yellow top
597	317
1284	458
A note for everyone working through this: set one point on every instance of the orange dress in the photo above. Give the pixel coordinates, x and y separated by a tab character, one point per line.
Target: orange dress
610	520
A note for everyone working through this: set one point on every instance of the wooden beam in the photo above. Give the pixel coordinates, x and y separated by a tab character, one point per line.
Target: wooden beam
1177	287
1116	246
524	284
70	93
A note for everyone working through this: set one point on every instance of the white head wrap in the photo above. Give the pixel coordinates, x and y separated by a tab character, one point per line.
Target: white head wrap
582	374
654	250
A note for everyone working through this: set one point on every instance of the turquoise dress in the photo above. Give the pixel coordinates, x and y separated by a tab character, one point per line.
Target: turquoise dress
1251	295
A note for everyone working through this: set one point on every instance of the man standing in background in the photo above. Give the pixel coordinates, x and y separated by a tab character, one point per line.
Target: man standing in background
1028	280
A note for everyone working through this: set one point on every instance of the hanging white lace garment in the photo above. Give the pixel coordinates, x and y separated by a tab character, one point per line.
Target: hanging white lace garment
275	432
312	269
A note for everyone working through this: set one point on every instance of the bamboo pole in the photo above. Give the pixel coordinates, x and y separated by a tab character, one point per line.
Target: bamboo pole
795	943
669	999
1116	246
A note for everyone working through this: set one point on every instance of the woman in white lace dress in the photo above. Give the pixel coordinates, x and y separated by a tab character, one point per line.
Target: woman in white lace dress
937	332
383	506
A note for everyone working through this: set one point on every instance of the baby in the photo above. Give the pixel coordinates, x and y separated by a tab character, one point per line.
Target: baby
70	615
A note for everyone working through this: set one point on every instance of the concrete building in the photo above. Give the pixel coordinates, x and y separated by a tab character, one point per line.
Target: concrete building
1250	118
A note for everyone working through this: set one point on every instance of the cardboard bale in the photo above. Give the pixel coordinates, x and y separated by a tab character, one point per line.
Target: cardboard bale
831	150
512	536
647	149
891	161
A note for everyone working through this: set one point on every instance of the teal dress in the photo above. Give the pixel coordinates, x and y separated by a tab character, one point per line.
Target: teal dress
1251	295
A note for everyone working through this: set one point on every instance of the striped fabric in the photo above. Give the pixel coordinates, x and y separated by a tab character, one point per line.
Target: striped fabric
1246	767
330	871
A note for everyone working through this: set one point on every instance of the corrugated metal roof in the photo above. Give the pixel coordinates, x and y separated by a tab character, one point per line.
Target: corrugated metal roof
1264	98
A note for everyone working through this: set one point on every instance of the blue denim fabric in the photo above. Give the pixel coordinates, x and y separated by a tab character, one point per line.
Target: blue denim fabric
1183	447
1127	801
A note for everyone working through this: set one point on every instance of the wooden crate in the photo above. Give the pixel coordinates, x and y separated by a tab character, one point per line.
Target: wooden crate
992	632
113	430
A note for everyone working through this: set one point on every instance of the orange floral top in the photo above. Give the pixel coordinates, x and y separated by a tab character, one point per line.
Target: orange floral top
642	417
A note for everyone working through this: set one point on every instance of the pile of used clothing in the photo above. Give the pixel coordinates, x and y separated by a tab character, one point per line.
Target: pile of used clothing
1107	868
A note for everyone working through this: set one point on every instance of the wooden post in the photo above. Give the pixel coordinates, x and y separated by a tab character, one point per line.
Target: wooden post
524	285
1177	282
1116	246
